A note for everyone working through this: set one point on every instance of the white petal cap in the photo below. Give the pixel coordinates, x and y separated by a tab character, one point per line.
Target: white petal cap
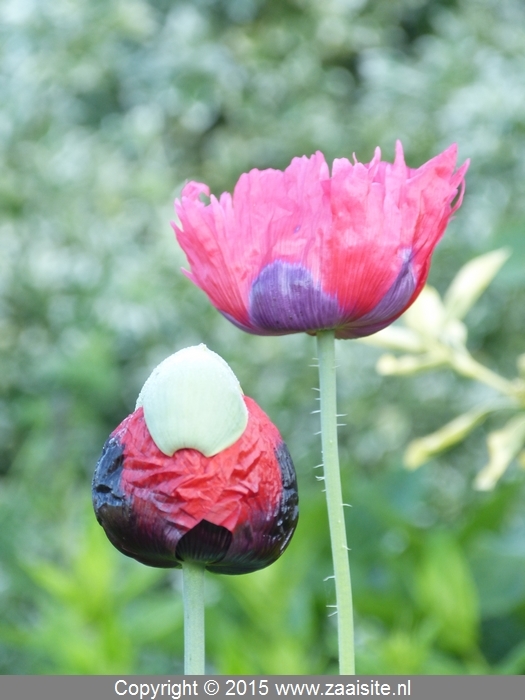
193	400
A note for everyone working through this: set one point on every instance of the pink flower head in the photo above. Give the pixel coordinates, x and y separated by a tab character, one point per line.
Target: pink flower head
301	251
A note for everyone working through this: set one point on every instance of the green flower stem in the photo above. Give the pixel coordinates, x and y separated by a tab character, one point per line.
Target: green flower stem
193	595
334	499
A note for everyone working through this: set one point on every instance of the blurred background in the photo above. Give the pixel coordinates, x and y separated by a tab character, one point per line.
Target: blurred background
107	107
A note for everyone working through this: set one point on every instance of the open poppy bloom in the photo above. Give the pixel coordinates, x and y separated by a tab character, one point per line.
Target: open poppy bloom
228	499
303	251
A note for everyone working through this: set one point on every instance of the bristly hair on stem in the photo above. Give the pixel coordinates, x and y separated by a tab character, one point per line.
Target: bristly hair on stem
334	499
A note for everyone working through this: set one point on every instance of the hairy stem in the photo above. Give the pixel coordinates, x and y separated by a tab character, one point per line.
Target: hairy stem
334	499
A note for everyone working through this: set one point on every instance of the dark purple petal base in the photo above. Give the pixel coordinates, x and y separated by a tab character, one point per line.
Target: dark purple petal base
391	305
285	299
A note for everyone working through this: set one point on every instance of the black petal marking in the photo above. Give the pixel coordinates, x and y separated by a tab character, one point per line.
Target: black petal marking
106	481
206	543
286	521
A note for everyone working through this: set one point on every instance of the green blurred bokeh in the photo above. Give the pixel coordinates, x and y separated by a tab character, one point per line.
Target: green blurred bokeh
107	107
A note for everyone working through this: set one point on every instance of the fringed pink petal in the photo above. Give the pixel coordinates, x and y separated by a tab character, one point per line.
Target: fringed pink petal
272	214
430	191
206	235
283	214
361	265
383	216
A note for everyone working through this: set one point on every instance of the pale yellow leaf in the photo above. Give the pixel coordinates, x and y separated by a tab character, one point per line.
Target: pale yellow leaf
408	364
421	450
503	446
472	280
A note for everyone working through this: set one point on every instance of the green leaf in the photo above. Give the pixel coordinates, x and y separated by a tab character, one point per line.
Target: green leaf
497	560
446	593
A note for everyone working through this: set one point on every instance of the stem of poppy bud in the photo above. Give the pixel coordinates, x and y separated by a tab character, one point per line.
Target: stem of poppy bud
334	499
193	597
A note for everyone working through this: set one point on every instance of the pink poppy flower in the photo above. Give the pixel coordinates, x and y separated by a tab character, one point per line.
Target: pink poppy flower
302	251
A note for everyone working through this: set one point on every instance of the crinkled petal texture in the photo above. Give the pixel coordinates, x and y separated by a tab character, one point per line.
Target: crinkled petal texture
303	251
234	512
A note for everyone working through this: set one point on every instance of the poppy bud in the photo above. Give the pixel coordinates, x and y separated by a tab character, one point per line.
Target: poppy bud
197	472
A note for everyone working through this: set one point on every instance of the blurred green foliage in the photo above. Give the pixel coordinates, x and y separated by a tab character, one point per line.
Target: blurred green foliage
108	106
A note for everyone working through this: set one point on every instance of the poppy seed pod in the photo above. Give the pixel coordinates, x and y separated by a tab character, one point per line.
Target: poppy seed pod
301	250
197	472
